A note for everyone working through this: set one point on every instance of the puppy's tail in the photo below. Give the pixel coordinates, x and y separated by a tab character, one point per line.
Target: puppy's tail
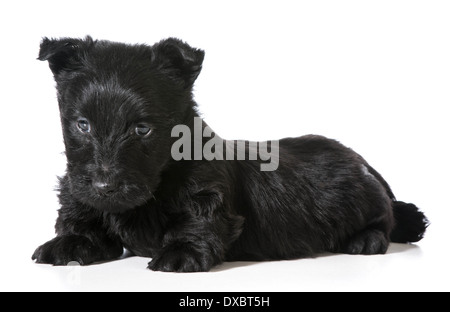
410	223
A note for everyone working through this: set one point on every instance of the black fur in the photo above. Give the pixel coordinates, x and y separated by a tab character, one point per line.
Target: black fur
122	189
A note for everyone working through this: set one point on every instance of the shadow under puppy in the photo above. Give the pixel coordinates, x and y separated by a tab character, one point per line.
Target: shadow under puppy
122	188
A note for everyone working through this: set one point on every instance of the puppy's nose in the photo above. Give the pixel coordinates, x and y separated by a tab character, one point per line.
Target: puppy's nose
104	188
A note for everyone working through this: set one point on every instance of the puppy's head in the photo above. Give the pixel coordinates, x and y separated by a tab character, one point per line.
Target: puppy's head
118	104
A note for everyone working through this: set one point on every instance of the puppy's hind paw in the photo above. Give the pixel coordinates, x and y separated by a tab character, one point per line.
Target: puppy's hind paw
368	242
180	257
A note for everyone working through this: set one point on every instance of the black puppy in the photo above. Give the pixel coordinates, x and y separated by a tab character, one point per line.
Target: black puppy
123	188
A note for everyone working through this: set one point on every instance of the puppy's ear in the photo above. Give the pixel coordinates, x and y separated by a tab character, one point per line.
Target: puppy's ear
178	60
62	54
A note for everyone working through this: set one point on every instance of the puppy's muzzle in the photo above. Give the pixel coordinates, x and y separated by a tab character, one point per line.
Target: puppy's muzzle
104	188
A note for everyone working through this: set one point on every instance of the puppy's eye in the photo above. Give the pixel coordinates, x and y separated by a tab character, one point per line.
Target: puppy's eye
83	125
142	130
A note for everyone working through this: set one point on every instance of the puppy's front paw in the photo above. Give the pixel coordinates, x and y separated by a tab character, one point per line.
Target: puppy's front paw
181	257
63	249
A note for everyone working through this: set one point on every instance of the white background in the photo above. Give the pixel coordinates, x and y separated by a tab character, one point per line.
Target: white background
373	74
